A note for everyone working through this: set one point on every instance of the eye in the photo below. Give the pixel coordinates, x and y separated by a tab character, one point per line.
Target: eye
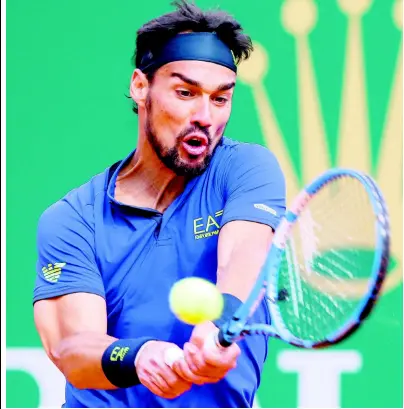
221	100
184	93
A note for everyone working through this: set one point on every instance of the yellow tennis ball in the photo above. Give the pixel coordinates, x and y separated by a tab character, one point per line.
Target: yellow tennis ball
194	300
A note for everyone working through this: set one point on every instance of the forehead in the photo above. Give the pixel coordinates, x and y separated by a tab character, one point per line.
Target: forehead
209	75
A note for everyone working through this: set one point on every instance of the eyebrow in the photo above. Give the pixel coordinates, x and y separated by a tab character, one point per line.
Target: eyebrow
190	81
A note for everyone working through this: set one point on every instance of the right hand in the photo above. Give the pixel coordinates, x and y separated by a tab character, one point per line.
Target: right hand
155	374
204	362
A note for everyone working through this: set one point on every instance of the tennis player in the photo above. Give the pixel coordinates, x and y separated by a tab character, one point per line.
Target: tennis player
186	202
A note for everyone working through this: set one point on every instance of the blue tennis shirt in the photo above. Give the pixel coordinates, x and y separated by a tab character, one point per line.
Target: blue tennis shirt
89	242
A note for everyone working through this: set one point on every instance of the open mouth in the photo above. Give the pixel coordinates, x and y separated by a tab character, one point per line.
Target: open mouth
195	144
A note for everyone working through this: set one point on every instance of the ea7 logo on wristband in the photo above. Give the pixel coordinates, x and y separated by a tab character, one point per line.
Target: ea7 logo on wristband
118	353
118	361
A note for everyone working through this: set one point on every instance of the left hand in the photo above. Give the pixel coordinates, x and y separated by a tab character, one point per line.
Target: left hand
154	373
202	364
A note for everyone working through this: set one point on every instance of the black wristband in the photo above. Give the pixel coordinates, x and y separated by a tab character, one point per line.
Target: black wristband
231	304
118	361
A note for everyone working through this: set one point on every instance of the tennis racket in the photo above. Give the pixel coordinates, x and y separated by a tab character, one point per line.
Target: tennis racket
325	268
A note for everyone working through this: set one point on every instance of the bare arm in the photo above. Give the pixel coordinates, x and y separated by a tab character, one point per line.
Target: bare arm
242	250
73	332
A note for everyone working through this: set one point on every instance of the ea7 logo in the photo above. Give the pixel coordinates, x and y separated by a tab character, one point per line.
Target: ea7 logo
207	226
118	353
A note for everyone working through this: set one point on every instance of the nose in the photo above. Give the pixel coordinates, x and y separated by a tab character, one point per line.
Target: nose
202	115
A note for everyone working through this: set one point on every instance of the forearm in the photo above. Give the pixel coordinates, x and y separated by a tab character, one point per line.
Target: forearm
79	358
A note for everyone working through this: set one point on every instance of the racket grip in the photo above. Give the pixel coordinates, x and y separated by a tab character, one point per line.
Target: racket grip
221	341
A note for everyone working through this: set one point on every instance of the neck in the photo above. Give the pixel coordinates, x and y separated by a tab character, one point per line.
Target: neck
146	182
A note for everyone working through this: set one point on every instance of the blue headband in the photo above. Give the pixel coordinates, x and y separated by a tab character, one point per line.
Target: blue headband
190	46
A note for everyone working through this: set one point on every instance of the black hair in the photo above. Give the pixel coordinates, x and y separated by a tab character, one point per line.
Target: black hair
188	17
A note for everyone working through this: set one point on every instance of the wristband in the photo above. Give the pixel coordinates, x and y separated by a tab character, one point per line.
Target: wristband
231	304
118	361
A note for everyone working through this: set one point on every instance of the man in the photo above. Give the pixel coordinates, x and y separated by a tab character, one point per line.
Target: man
186	202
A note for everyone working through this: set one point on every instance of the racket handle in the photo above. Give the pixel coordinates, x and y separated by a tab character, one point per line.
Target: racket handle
221	341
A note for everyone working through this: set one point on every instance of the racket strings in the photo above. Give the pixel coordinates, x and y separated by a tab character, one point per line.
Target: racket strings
327	260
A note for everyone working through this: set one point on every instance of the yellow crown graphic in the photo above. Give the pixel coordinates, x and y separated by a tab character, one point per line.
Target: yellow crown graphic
298	18
52	272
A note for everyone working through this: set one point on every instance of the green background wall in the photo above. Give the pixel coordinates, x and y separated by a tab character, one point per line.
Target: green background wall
68	70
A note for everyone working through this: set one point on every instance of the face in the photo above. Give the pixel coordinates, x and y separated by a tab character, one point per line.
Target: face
187	108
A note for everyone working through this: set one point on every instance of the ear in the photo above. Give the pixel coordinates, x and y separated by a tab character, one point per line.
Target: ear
139	86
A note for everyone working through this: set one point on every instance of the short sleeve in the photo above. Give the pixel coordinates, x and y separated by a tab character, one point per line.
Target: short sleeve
66	260
254	186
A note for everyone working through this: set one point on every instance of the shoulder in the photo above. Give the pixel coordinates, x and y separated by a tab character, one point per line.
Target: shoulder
245	154
76	205
237	159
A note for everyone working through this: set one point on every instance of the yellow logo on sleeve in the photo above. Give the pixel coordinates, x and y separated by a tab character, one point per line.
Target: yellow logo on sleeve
52	272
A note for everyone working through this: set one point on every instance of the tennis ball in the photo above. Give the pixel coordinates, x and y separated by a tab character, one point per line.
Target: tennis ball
194	300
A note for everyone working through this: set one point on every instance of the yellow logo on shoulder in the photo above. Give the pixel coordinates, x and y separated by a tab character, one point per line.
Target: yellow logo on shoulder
52	272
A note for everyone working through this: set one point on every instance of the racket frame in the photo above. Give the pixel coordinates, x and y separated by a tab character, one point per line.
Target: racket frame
266	284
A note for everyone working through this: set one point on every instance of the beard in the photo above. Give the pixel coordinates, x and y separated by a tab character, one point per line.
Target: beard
170	157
